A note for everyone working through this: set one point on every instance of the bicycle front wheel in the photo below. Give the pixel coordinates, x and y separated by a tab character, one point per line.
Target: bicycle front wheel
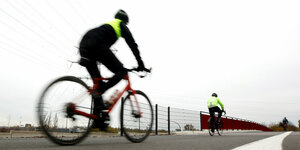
136	127
61	125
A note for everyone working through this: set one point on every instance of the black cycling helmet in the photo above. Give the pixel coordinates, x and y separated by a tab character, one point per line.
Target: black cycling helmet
214	94
122	15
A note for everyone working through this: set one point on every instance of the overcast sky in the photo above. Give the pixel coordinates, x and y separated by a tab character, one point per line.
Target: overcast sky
246	51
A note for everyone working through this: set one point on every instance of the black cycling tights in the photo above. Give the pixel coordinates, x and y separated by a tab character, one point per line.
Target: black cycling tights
109	60
213	110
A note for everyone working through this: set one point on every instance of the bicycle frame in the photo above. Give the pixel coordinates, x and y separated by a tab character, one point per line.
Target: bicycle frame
96	86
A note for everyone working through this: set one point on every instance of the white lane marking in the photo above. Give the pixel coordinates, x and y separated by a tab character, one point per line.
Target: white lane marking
270	143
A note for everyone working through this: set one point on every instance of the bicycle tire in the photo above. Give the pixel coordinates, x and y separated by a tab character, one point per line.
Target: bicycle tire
209	131
132	133
220	128
56	133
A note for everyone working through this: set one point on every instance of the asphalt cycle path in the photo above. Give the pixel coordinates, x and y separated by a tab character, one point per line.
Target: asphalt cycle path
281	140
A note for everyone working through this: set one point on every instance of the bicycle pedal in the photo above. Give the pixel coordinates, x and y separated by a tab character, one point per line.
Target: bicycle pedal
136	114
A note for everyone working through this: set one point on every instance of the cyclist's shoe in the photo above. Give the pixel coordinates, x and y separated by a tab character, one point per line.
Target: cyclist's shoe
99	124
103	121
96	124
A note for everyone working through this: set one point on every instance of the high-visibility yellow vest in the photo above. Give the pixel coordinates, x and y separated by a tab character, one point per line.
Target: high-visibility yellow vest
116	25
213	102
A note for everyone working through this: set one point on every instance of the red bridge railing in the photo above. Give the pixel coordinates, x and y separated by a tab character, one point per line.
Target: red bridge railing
167	119
232	123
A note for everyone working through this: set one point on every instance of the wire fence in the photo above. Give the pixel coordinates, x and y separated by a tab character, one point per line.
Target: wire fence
167	120
183	119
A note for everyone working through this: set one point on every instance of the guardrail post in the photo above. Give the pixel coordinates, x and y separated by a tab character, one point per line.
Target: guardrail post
156	119
122	113
169	120
232	124
241	124
248	125
201	121
248	128
238	124
227	127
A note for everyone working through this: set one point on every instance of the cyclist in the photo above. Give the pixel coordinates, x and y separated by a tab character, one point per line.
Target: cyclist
284	123
212	104
95	47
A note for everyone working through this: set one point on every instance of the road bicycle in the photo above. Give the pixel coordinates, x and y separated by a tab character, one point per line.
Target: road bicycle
284	126
66	105
218	126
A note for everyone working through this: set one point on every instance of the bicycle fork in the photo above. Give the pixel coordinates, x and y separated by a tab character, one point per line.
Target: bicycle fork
136	113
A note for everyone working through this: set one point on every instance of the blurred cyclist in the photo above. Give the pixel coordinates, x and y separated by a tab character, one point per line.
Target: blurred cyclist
284	123
212	104
95	47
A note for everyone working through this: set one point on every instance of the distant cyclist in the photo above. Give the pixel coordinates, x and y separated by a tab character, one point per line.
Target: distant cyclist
212	104
95	47
284	123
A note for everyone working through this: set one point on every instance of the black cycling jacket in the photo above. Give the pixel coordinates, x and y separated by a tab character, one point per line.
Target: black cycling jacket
106	35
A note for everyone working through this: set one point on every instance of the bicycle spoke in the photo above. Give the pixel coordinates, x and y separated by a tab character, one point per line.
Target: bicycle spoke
58	121
137	128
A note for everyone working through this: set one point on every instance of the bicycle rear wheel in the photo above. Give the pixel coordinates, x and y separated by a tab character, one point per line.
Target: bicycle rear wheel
210	132
209	127
220	128
136	127
61	126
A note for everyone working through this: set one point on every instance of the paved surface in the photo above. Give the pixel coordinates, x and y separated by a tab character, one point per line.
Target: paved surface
179	142
292	142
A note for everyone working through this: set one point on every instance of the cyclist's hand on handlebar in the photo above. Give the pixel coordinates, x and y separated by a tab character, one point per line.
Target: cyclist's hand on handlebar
135	70
147	70
141	66
143	69
224	111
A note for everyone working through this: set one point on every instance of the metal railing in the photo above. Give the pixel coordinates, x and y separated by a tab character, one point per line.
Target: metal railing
175	119
168	119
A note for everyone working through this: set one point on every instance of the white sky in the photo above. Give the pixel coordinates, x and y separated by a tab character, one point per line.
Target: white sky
246	51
